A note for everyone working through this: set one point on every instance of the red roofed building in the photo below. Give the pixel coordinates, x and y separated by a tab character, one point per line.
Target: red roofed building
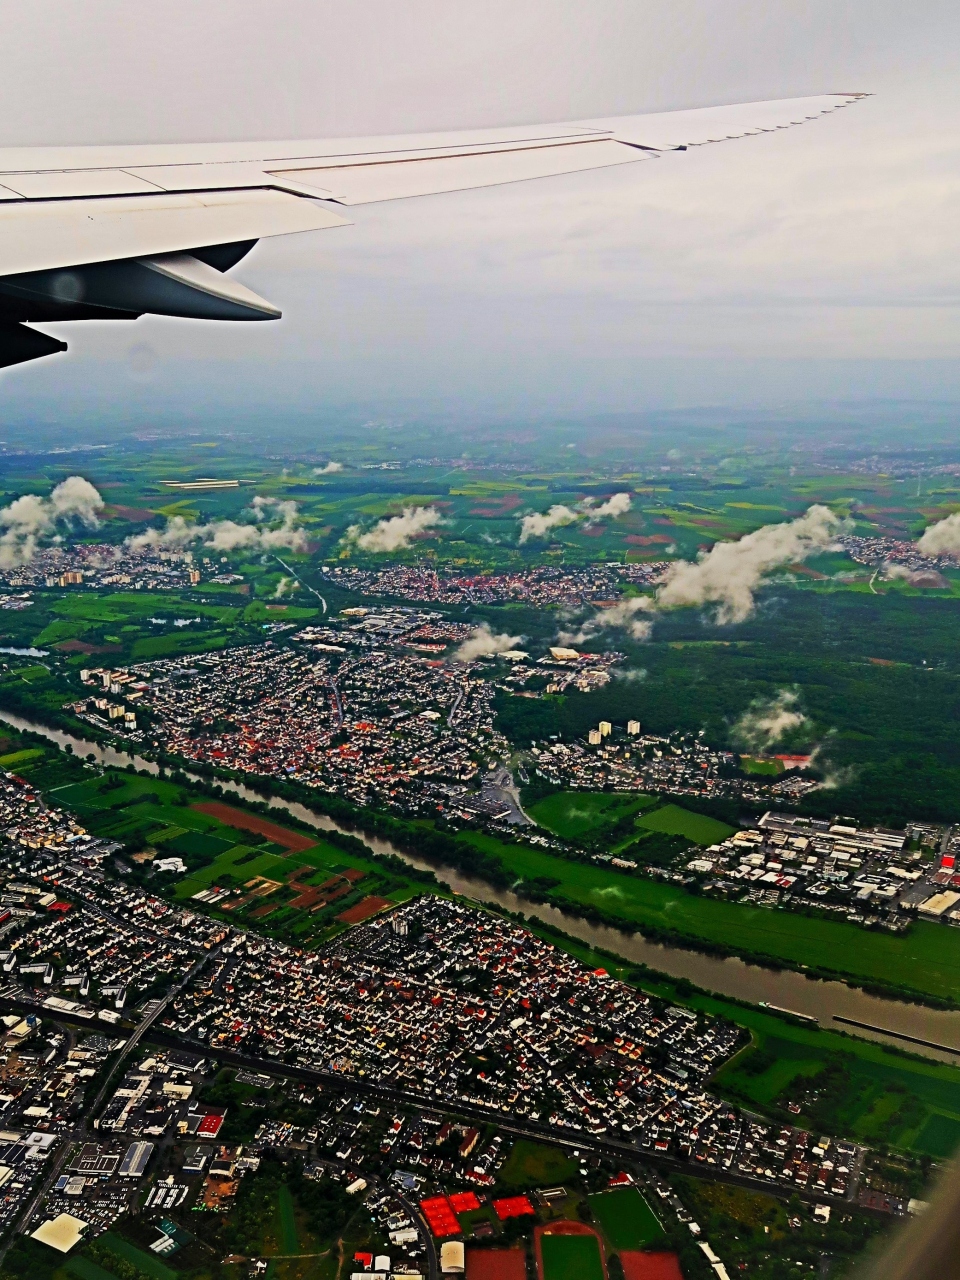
210	1125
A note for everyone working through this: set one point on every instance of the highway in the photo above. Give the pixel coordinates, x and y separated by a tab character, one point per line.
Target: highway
306	585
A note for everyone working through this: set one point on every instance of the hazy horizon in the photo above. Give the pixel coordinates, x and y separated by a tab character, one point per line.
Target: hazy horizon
813	264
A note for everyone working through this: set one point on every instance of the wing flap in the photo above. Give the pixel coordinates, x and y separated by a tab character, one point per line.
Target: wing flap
59	185
40	235
370	181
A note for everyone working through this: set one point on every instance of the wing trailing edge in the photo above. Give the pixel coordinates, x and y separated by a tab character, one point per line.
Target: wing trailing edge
116	232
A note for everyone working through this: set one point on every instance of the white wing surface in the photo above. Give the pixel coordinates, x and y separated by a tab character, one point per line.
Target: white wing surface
114	232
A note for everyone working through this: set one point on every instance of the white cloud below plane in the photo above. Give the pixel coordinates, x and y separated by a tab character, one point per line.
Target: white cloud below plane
624	616
767	720
942	538
229	535
30	518
539	523
483	641
394	533
727	575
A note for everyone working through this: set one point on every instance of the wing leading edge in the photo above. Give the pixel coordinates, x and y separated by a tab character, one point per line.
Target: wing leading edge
117	232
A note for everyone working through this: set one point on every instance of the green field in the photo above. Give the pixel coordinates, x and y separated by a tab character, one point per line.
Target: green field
90	794
672	820
20	757
570	814
148	812
626	1219
926	960
532	1164
872	1095
148	1263
571	1258
86	1269
289	1237
225	870
770	768
940	1136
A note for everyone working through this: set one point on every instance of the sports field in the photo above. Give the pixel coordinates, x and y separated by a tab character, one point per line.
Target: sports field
650	1266
672	820
750	764
534	1164
496	1264
625	1218
571	1257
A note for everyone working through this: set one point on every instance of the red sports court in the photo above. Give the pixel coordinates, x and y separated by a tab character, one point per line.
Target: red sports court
512	1207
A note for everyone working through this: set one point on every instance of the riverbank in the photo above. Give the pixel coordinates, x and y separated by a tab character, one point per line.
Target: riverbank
922	966
868	1081
729	977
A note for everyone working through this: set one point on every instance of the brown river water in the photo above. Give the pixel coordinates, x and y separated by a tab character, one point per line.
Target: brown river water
784	989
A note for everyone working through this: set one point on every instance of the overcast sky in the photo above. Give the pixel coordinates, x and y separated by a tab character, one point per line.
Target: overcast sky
818	262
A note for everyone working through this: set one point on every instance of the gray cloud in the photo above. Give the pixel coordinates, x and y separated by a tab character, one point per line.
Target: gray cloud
815	262
483	642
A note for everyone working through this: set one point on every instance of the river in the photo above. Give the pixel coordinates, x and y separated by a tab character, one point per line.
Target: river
784	989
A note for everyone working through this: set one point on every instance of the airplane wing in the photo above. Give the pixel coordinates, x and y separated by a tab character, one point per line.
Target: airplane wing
116	232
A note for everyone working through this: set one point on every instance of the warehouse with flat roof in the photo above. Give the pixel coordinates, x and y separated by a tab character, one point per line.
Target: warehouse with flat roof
134	1163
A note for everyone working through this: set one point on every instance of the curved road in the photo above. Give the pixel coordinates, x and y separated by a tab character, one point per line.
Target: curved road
410	1209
